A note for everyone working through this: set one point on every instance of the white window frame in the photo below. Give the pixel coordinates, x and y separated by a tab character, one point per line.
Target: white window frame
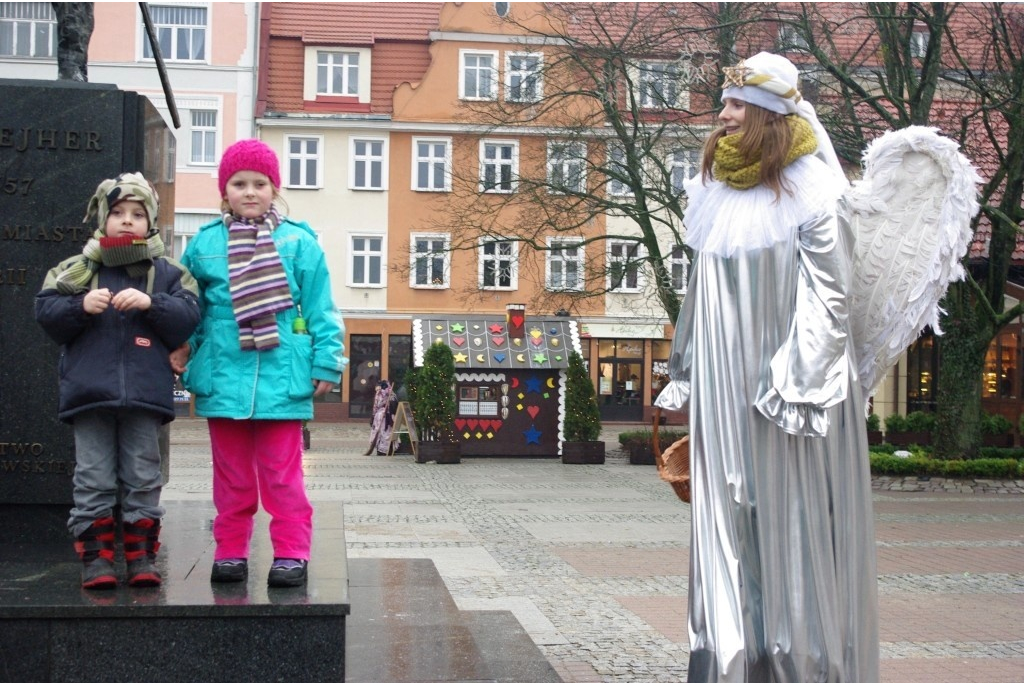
368	160
556	262
499	162
172	33
503	256
564	158
465	69
683	164
654	76
343	62
514	78
617	157
621	252
303	156
919	44
39	16
209	138
679	267
373	260
439	249
790	40
431	161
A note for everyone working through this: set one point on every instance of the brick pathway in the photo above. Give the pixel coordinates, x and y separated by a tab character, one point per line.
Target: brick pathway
592	560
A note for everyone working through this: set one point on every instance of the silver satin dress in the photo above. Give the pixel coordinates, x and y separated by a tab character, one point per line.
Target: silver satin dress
782	556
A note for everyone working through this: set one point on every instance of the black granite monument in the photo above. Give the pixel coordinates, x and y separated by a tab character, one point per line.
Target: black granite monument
58	140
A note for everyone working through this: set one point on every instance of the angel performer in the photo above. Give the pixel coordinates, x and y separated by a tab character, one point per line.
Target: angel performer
782	553
385	402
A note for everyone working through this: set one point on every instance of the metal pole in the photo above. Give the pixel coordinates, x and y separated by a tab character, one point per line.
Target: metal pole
164	80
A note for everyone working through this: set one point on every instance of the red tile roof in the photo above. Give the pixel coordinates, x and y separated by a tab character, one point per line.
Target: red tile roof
366	20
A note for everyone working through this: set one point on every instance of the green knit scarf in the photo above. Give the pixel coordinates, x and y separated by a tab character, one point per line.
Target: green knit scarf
732	169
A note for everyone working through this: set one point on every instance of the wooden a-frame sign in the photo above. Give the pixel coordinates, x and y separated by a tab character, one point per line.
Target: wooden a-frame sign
404	424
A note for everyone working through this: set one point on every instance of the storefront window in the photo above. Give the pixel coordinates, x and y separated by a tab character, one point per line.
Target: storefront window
620	378
364	362
1000	375
399	360
922	361
660	350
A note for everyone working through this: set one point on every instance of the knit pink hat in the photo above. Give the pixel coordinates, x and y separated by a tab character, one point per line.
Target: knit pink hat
248	155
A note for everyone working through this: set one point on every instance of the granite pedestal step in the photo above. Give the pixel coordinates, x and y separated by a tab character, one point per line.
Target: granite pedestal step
405	627
186	630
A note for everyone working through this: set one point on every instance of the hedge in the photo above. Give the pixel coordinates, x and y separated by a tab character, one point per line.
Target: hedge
920	465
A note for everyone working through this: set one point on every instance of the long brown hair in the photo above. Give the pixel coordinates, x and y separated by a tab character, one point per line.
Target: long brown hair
766	138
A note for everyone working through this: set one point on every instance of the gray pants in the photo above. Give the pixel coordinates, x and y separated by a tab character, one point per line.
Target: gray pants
117	456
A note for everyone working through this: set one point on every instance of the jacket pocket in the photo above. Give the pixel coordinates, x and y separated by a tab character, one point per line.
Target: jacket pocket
301	385
198	376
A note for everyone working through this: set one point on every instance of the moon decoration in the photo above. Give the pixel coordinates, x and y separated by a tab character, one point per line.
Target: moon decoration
520	358
551	382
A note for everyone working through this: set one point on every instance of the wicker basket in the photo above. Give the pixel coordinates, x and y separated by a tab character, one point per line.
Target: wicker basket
674	463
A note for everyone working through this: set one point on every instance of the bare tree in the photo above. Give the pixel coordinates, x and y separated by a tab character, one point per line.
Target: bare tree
627	100
959	67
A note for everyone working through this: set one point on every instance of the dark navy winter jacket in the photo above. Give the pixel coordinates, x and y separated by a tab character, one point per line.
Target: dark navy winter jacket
120	359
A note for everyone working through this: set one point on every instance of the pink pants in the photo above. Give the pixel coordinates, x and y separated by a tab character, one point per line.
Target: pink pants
253	461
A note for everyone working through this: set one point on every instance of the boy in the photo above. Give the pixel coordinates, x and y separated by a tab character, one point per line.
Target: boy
117	310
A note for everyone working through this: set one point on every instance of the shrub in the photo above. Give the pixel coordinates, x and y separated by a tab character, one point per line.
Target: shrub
895	423
645	437
995	424
874	423
922	465
920	422
582	415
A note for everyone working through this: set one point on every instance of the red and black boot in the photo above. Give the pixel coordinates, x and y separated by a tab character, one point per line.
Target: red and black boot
95	547
141	542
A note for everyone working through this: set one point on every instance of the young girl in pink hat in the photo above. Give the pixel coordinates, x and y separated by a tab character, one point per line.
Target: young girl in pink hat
269	340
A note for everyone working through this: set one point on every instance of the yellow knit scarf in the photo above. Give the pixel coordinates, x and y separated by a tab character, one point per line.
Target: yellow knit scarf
732	169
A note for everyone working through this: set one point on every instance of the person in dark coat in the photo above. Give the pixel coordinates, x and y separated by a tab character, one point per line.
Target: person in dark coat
117	310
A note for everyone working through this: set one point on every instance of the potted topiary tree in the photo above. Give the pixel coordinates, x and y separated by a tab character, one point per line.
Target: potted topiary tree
433	407
874	429
582	428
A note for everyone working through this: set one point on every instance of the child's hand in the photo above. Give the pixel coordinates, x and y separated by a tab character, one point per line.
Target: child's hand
130	298
179	358
96	301
322	387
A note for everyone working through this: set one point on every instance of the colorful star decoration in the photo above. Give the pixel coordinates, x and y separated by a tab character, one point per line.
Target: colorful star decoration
460	358
496	328
458	328
532	435
533	384
540	358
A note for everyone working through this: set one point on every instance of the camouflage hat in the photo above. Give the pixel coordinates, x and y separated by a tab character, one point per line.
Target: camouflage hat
126	186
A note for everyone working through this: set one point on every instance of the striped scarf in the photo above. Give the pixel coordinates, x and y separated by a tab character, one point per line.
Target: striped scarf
258	285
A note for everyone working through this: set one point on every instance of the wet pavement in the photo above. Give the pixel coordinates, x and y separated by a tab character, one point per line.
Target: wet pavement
592	559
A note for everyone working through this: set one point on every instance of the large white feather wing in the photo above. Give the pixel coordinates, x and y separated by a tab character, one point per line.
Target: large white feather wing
911	215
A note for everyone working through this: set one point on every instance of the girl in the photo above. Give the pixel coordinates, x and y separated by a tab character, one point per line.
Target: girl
269	340
782	567
384	405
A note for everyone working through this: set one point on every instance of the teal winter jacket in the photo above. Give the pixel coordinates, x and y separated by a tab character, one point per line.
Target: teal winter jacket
228	382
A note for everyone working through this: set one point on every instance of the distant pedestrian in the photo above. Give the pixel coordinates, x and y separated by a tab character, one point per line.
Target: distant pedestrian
385	404
269	340
117	310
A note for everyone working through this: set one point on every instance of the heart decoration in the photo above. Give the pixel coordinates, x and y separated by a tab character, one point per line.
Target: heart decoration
499	358
472	423
496	424
518	319
498	340
459	341
536	342
460	423
485	424
533	410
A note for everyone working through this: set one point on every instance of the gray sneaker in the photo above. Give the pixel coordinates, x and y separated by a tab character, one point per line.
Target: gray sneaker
287	573
229	571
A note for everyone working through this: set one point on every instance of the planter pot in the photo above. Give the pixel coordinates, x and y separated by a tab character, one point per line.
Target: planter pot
591	452
642	455
875	438
907	438
1004	440
440	452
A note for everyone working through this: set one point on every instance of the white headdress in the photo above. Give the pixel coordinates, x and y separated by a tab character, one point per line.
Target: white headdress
772	82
